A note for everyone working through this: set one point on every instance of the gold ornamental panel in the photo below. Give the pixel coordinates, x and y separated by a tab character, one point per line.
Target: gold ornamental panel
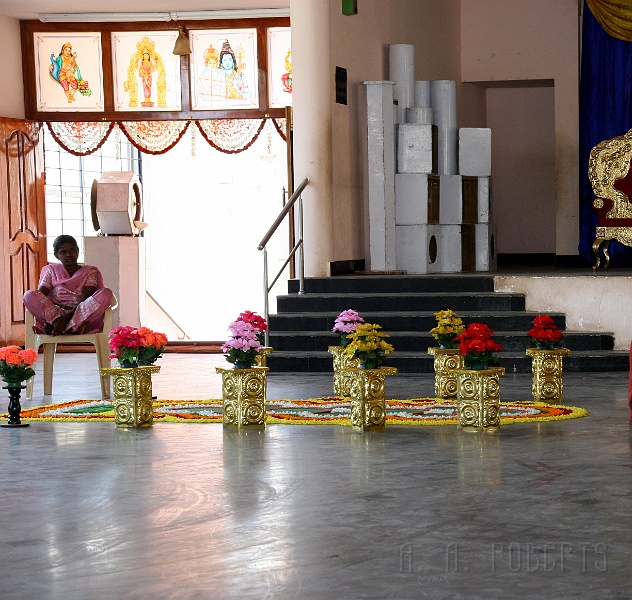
261	358
446	362
478	396
547	384
133	406
342	377
244	397
368	397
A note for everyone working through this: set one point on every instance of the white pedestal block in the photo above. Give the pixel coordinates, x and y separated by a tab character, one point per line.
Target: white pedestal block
414	148
379	229
443	103
486	259
475	152
484	200
418	248
411	199
450	249
401	70
121	260
422	94
451	200
419	115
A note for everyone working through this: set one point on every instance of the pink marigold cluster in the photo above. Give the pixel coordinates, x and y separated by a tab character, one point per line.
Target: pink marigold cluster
347	321
257	321
545	332
243	337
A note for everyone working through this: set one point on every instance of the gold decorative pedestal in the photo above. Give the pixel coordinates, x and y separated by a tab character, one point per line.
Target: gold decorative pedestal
446	362
478	395
133	407
261	358
547	385
244	395
342	377
368	398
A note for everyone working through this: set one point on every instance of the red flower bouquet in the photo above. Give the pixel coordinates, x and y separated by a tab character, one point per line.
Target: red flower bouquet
15	365
257	321
136	346
478	347
545	334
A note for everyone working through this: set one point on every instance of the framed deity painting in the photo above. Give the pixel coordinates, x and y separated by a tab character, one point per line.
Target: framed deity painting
68	71
146	72
279	67
224	69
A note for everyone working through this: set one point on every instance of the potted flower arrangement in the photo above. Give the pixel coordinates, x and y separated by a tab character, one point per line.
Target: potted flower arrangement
449	326
544	333
15	367
478	347
345	324
136	346
367	344
242	347
257	321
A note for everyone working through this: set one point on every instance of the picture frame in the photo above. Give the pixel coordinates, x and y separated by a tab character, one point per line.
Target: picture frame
68	71
279	67
224	69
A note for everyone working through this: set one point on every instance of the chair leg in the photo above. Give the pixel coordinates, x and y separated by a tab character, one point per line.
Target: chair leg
49	358
29	388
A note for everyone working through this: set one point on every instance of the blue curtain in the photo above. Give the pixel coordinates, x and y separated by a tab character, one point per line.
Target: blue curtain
605	111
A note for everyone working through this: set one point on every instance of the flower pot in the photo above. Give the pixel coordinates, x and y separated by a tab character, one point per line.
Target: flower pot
446	362
15	407
241	365
478	398
133	406
244	397
546	365
342	378
368	397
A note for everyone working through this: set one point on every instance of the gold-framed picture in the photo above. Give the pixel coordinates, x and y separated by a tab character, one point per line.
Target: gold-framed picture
224	69
146	72
68	71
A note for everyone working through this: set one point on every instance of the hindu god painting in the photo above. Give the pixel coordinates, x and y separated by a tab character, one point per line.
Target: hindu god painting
224	69
69	72
146	72
279	67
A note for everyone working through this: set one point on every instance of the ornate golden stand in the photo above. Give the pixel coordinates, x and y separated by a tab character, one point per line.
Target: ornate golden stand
244	394
478	394
342	377
547	383
446	362
368	398
133	407
261	358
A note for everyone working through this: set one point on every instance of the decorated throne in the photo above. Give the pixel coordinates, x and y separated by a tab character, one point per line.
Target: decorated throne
611	180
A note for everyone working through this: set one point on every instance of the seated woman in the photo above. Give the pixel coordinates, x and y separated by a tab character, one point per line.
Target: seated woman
70	298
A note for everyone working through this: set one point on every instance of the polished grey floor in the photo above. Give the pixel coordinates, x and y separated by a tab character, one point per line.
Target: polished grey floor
196	511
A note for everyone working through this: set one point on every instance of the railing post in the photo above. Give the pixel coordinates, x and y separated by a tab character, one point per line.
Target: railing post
266	307
301	255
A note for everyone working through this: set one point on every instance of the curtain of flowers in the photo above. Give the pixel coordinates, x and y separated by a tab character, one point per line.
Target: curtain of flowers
605	105
230	136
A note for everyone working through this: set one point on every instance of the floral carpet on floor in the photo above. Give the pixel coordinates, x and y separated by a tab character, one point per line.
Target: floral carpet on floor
315	411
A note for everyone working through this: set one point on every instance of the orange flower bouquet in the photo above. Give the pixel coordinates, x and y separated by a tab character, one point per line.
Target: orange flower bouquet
15	365
136	347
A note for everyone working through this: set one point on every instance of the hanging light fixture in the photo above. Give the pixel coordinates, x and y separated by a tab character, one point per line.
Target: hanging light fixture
182	47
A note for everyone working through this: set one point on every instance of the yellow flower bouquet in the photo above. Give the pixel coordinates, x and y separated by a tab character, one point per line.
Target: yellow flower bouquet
367	344
449	326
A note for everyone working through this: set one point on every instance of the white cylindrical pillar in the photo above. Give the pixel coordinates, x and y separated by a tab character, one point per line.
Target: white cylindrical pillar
312	95
422	94
443	100
401	68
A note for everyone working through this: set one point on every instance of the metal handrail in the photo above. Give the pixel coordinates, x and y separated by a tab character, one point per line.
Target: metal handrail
184	333
298	247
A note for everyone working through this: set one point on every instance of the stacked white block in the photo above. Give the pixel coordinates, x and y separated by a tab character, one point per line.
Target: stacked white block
418	248
411	199
414	148
450	199
401	68
443	102
475	151
484	200
450	249
486	259
379	229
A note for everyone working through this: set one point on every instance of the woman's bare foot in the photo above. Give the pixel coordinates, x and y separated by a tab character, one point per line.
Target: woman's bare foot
59	324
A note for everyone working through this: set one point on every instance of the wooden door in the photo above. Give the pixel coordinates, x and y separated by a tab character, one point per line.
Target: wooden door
22	221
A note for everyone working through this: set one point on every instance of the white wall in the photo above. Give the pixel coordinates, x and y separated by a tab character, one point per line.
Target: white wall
12	95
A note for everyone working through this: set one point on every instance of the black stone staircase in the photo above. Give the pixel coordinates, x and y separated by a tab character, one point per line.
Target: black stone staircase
404	306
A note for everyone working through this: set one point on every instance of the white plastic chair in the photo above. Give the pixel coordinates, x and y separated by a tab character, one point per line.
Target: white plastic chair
100	341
